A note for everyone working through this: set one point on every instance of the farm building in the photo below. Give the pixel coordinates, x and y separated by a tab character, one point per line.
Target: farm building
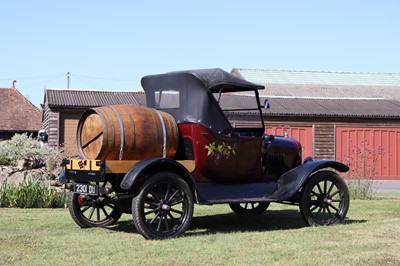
333	113
63	108
17	114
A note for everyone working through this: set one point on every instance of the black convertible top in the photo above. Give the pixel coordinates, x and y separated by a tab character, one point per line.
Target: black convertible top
214	79
188	95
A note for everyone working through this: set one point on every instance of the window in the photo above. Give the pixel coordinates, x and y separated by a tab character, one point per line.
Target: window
167	99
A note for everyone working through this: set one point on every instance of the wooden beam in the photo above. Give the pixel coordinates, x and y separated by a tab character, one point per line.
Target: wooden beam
123	166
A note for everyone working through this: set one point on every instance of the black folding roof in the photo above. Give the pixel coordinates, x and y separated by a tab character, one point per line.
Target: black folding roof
215	79
193	90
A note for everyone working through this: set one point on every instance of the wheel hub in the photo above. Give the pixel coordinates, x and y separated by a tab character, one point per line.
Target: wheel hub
165	207
324	200
327	200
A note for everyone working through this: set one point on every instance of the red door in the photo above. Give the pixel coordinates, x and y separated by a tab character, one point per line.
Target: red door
372	152
302	134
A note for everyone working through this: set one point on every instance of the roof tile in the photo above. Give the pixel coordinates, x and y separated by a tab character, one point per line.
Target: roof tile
17	113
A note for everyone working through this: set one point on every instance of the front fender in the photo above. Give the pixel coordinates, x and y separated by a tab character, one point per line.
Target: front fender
151	165
291	182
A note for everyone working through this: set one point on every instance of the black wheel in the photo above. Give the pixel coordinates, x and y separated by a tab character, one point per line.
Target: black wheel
163	207
325	199
93	211
249	208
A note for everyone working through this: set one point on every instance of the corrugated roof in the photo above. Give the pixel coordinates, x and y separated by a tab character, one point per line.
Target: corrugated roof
87	99
362	108
280	106
319	77
313	84
17	113
335	107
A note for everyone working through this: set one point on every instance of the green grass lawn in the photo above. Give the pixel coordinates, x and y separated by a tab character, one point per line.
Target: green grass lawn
369	236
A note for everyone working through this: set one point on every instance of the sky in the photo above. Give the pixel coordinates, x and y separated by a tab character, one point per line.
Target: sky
110	45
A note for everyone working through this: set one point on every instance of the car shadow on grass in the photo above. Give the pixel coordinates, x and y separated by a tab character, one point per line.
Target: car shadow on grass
271	220
230	222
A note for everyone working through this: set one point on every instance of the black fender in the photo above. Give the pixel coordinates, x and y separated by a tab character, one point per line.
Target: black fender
152	165
291	182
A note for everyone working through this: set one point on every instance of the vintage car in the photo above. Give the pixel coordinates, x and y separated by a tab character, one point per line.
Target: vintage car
155	162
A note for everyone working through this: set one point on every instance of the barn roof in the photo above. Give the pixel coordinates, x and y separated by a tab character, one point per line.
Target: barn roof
319	77
17	113
284	104
59	98
319	84
361	108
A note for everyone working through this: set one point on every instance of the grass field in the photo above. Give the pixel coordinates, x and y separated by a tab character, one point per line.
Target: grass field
369	236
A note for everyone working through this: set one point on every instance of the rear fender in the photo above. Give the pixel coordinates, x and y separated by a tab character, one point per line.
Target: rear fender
293	180
148	166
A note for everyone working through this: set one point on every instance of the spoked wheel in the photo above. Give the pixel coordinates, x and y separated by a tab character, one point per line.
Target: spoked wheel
93	211
163	207
249	208
325	199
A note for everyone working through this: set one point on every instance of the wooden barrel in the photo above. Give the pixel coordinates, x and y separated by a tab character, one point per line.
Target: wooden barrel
126	132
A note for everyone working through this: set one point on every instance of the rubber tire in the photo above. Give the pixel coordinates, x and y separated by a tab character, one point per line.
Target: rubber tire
84	222
139	211
341	199
258	209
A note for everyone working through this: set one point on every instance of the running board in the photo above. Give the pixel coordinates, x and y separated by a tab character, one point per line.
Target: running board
214	193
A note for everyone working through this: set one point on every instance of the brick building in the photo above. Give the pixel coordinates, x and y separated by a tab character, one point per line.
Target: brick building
17	114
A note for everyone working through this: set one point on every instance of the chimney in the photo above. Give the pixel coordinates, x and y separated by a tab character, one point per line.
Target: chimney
13	84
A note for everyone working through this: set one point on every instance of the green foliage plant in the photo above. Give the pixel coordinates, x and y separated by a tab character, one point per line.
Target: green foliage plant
217	152
32	193
36	153
22	146
18	147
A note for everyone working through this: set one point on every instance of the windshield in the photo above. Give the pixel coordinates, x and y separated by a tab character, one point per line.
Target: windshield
235	105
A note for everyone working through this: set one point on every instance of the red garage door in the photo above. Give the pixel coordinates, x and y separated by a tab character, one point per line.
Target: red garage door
302	134
370	151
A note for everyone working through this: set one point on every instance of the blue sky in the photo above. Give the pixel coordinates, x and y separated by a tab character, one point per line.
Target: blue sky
110	45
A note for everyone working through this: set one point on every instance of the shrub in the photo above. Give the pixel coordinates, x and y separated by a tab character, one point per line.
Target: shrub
362	160
21	146
18	147
31	194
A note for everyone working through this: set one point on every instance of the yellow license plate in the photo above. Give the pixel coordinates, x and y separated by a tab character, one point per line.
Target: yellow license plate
83	165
